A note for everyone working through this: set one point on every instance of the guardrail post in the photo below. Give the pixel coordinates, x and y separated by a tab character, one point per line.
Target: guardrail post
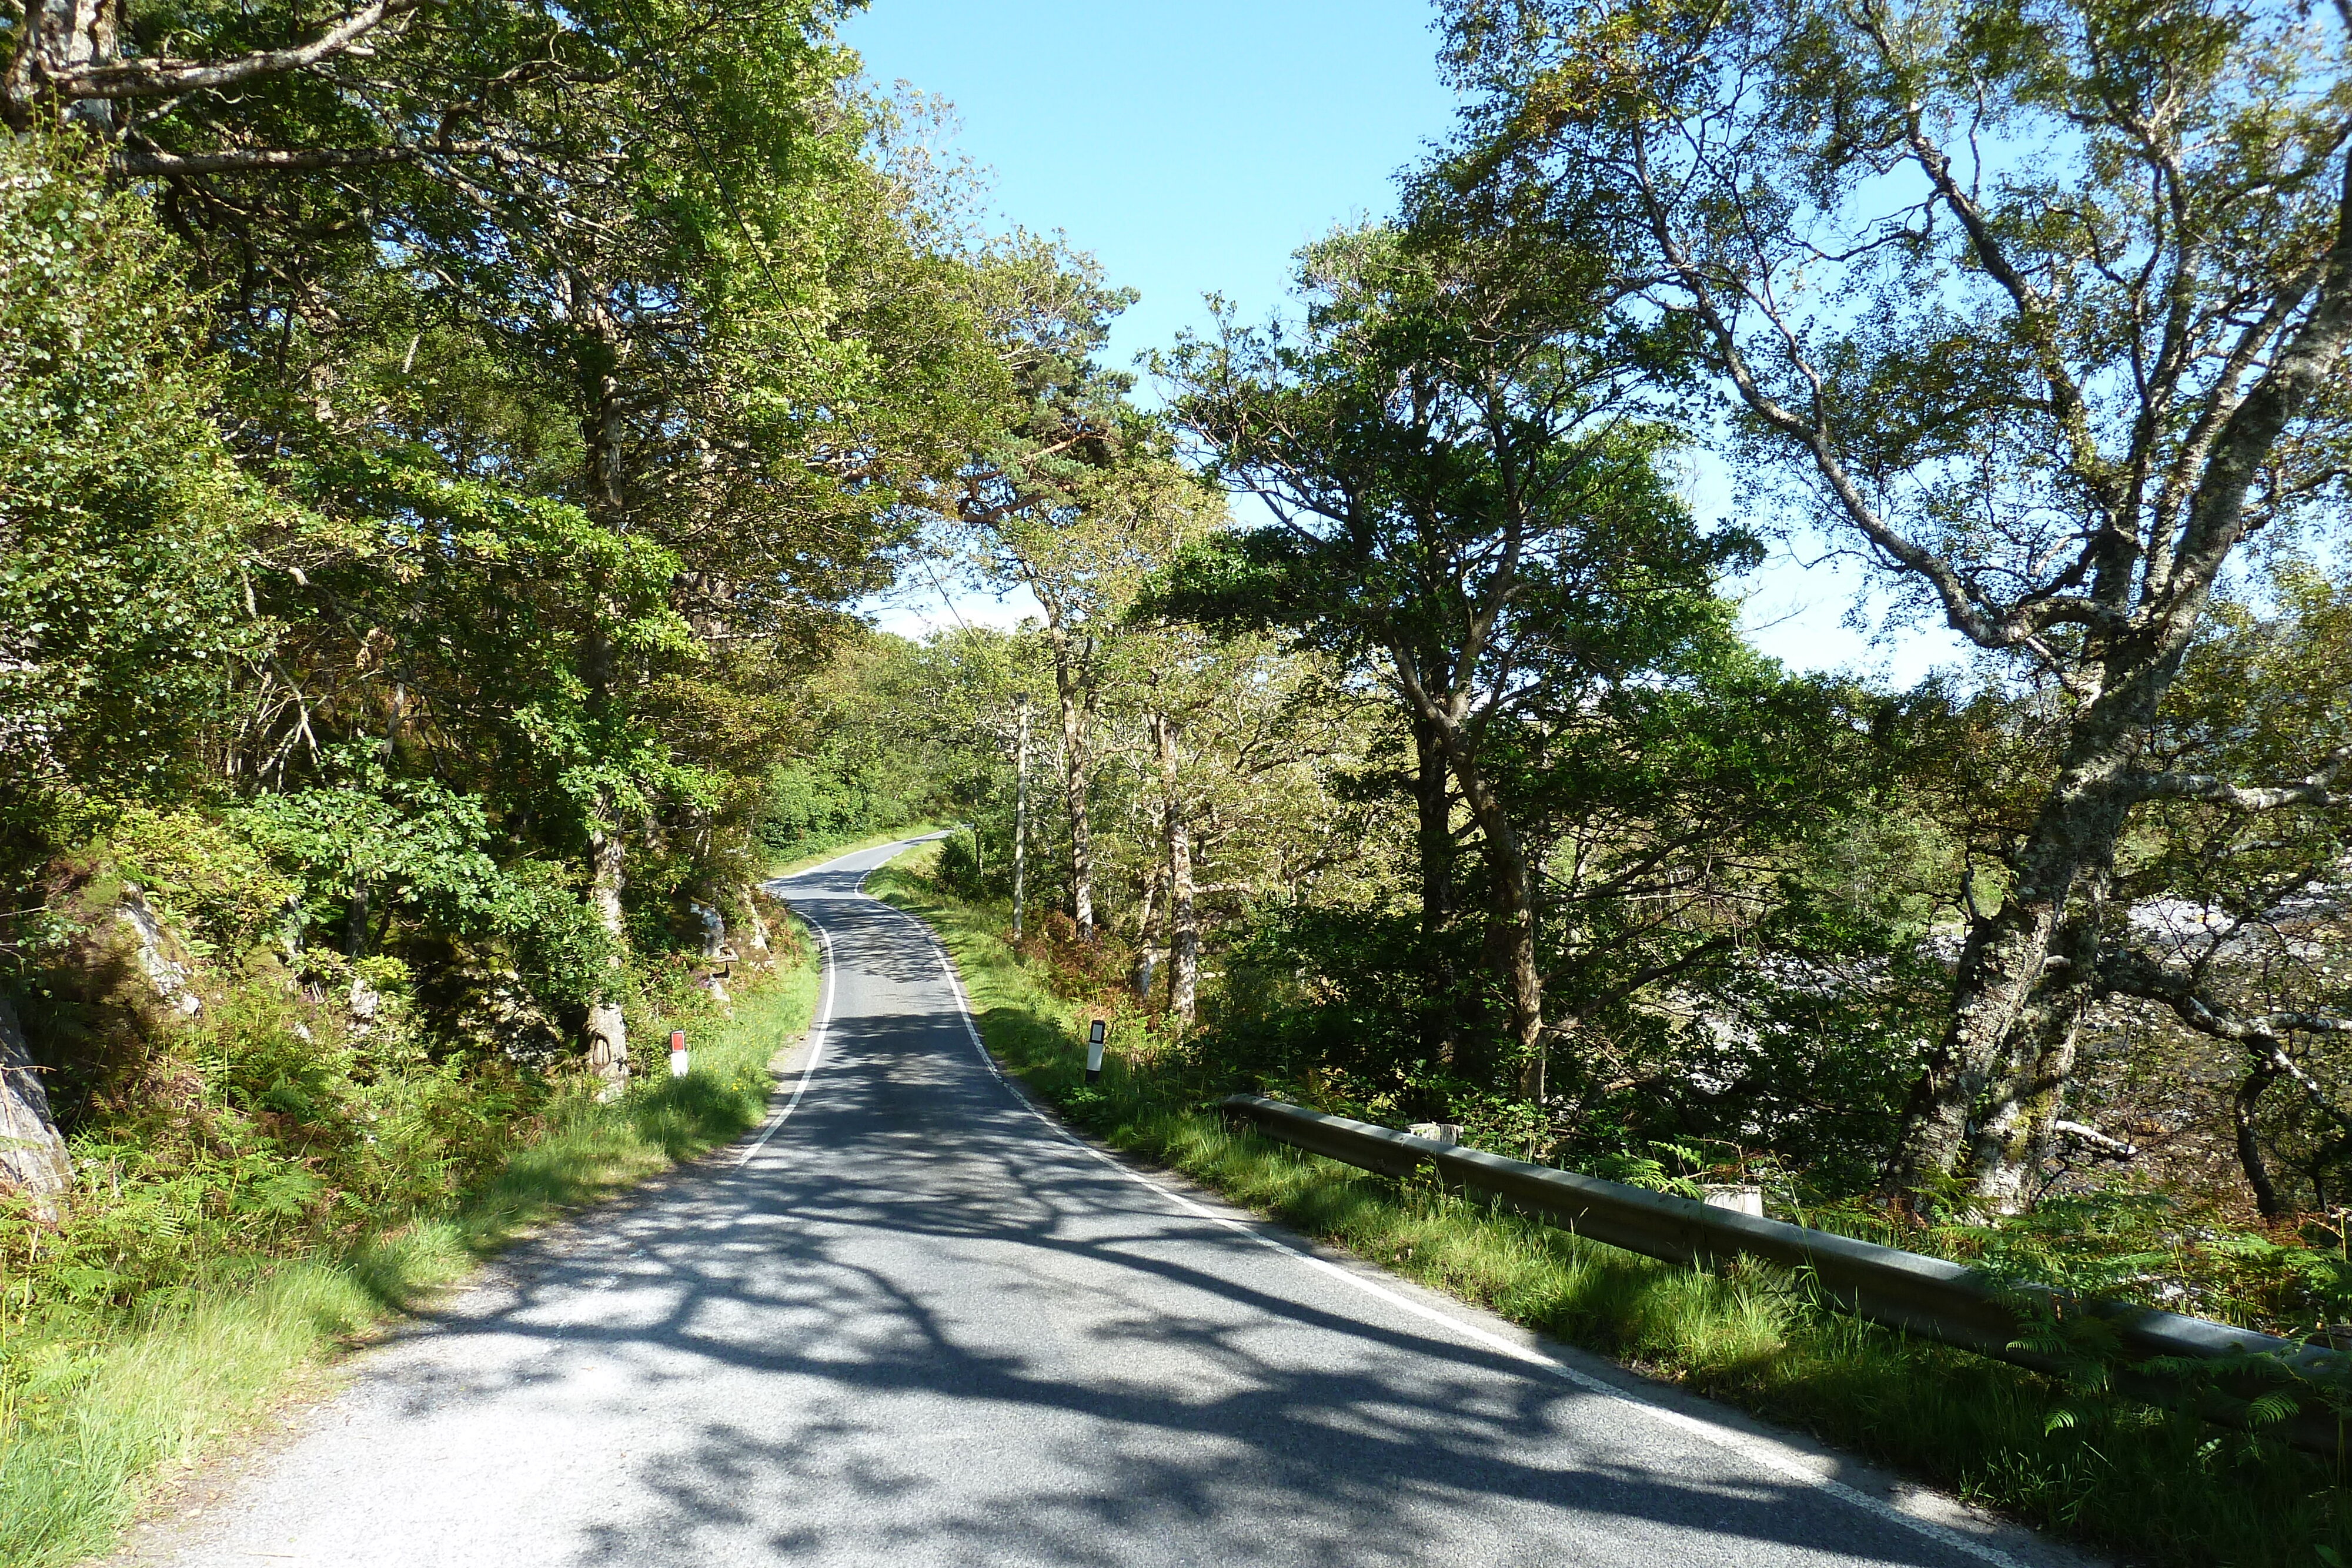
1739	1197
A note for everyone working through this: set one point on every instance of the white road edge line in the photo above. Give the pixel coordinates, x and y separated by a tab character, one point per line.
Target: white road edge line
1706	1431
816	1037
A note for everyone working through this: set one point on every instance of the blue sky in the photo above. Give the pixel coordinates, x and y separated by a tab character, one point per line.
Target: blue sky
1189	147
1192	148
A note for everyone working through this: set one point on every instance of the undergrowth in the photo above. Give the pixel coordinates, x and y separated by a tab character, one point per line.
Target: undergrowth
2148	1483
179	1302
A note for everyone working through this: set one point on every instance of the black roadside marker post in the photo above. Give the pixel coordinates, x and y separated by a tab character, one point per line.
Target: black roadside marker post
1095	1050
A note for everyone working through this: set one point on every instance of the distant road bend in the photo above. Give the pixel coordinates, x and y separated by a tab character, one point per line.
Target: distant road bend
911	1322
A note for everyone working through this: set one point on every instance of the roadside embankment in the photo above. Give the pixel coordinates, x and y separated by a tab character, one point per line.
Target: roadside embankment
2148	1484
102	1403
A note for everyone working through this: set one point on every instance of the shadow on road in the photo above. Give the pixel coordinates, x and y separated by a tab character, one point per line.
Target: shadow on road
919	1324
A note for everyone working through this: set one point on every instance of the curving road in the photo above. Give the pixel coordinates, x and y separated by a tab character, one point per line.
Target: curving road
910	1322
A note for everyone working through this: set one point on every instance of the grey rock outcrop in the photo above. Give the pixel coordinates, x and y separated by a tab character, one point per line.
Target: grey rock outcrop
33	1158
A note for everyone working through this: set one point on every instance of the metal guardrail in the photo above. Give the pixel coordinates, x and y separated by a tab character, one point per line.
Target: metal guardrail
1932	1297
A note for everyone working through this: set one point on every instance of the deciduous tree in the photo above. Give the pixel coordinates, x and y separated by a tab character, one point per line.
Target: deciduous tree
2040	305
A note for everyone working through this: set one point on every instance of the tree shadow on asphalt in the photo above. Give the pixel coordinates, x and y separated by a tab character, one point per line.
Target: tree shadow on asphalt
940	1331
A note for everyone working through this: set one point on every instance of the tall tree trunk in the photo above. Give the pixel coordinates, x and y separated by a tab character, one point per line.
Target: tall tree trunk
2245	1106
2016	1013
63	36
33	1158
1512	897
2018	1133
1433	797
602	433
355	919
608	1030
1021	817
603	420
1070	687
1184	929
1147	908
1514	925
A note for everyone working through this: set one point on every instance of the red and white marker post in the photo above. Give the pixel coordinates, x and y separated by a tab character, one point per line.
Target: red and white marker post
677	1054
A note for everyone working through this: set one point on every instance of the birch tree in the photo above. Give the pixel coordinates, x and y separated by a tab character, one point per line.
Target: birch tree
1075	498
1241	738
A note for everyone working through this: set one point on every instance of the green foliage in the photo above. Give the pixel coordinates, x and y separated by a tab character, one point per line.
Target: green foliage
959	867
1469	467
123	566
829	797
390	532
422	851
896	732
851	782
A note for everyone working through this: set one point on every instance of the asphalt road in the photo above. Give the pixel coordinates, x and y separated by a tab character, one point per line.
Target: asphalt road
915	1322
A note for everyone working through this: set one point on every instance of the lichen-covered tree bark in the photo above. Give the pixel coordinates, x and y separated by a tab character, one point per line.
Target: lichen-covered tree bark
1434	844
1074	687
608	1030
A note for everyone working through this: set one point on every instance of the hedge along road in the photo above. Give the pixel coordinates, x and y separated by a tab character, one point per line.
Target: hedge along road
910	1320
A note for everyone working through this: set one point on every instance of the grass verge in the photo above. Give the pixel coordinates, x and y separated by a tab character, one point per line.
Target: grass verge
106	1411
815	851
2148	1484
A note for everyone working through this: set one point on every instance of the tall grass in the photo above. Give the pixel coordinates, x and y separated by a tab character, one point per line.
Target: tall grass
97	1407
2148	1483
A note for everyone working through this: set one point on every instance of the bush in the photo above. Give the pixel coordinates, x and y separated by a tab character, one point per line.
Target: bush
958	864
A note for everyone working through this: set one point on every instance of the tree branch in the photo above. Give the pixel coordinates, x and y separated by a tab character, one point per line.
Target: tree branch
1963	611
154	78
2262	1034
2315	789
237	159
